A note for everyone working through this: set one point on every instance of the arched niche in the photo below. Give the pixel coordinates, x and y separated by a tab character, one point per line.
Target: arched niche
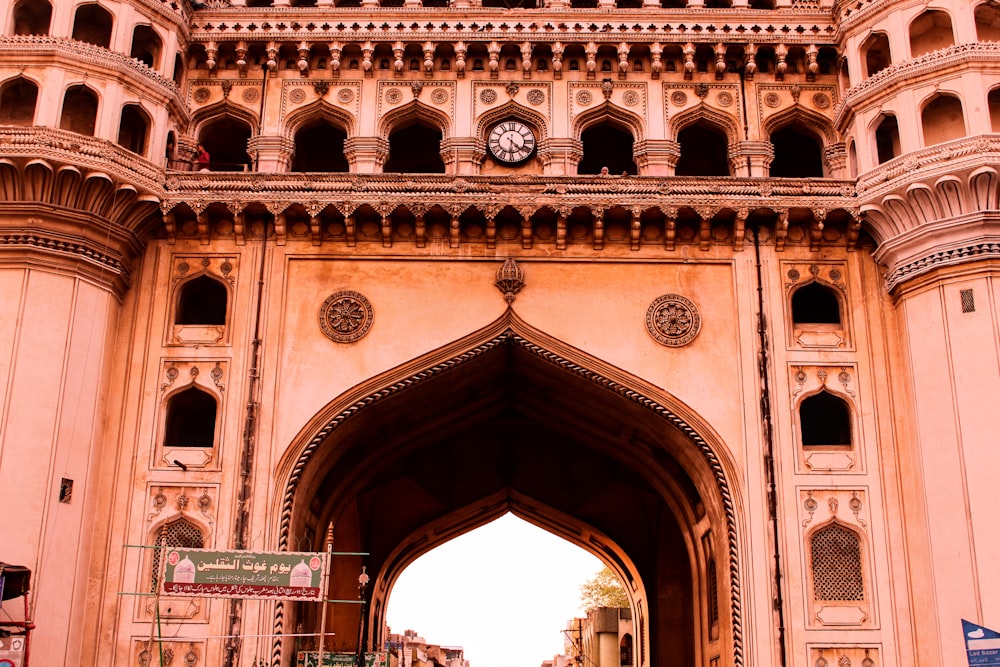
942	119
190	419
32	17
18	100
931	31
993	102
79	110
825	421
543	417
93	24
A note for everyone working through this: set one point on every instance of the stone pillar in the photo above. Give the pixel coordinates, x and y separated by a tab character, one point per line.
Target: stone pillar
656	157
366	155
271	154
751	158
462	155
560	157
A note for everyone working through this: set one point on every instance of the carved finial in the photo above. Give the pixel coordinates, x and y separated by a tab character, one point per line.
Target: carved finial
510	280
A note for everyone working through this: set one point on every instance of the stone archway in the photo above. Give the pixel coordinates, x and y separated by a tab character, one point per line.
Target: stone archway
509	420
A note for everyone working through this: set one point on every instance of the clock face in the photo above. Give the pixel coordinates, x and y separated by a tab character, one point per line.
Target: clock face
511	141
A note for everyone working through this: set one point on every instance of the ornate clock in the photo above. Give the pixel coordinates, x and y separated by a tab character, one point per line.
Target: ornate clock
511	141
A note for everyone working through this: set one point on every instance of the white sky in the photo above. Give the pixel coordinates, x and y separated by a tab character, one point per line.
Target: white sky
504	592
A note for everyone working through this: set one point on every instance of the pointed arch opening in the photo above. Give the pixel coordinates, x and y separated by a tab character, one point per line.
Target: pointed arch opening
553	461
202	302
190	419
887	143
993	101
607	148
226	139
825	420
815	303
133	129
798	152
79	112
942	119
836	564
415	148
988	22
931	31
146	46
93	24
18	100
32	17
319	147
875	53
704	150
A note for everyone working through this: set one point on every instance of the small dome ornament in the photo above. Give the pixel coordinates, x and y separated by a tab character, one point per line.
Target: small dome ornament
510	280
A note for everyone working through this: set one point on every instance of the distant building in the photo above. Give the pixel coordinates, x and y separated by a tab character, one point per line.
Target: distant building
604	638
412	650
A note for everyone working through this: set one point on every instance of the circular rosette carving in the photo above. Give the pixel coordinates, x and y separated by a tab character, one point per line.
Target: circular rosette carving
673	320
345	316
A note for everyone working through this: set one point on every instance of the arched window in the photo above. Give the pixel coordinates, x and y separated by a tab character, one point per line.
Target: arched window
814	303
835	554
825	421
929	32
32	17
93	24
625	650
943	120
202	302
146	46
178	68
852	159
226	139
988	22
133	129
887	144
178	533
190	419
993	99
415	149
320	147
798	153
704	151
18	98
605	145
875	53
79	112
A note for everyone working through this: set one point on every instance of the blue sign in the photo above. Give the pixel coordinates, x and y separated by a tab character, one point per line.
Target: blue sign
982	645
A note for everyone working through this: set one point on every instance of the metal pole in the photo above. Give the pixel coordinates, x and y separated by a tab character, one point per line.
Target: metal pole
323	591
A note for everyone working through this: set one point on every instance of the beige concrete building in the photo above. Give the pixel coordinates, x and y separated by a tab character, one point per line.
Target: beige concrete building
753	366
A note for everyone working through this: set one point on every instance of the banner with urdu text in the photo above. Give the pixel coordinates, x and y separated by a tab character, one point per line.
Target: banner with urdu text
277	575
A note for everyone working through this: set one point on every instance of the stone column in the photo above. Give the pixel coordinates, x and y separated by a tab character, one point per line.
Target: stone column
560	157
271	154
656	157
462	155
366	155
751	158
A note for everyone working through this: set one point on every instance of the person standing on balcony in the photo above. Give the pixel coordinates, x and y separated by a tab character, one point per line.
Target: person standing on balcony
202	159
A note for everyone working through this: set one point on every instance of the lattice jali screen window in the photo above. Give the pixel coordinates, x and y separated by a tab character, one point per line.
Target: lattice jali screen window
180	533
836	565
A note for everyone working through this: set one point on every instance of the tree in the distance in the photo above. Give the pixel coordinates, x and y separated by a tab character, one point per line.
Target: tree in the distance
603	590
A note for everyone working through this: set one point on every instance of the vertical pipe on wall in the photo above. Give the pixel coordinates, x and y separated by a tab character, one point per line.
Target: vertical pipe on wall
767	426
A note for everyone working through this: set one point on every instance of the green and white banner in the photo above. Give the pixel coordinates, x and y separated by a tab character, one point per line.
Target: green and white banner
276	575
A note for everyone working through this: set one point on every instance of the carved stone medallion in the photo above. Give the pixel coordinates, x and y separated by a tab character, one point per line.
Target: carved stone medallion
673	320
345	316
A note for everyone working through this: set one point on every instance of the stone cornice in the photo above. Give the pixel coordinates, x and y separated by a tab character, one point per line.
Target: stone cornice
911	71
81	151
379	24
853	12
562	190
950	157
43	50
